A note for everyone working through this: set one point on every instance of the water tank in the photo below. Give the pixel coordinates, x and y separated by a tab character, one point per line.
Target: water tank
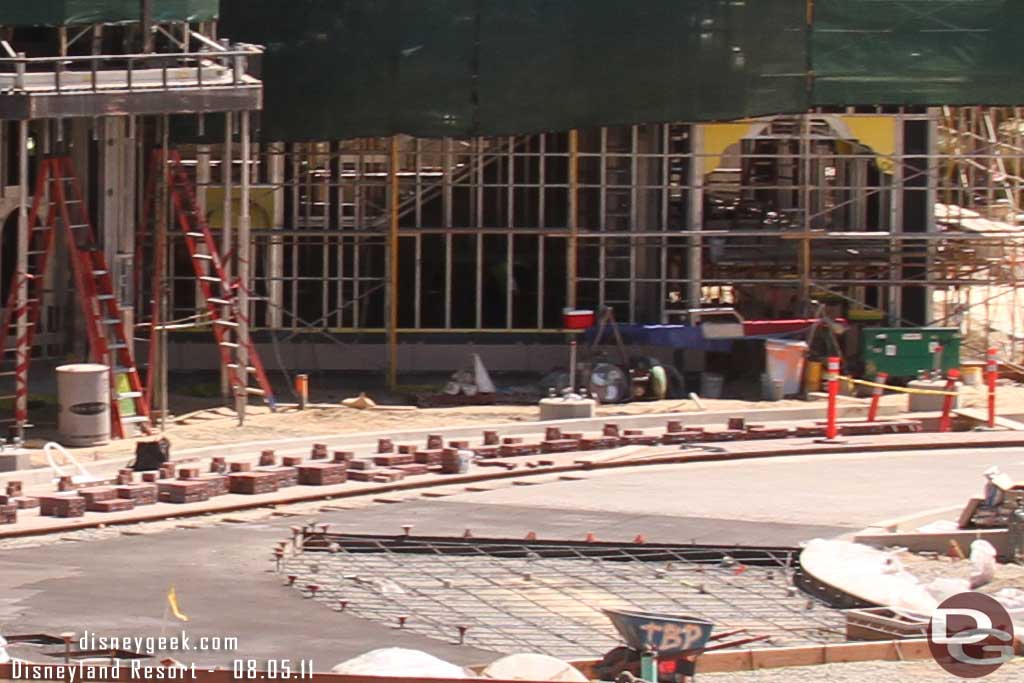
83	404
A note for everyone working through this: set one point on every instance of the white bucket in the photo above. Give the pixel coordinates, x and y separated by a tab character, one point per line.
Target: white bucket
711	385
83	404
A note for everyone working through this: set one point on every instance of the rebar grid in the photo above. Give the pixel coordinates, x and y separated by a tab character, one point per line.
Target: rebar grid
549	599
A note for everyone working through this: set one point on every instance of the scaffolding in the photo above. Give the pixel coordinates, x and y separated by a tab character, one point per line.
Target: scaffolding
498	235
101	96
888	215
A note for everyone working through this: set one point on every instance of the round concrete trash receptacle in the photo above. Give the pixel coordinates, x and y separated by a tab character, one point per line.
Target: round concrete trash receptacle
83	404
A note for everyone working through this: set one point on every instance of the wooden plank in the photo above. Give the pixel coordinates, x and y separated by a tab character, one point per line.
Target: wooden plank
727	661
981	416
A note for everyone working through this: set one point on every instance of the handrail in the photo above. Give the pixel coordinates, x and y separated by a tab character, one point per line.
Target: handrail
62	68
243	50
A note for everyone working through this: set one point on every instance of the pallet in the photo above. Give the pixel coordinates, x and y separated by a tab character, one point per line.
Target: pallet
322	474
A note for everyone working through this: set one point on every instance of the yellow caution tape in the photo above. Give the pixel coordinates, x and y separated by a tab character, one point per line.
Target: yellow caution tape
903	390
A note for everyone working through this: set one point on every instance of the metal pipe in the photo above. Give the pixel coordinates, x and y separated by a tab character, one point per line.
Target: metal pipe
146	24
393	263
226	241
805	243
574	219
23	353
244	284
163	271
695	220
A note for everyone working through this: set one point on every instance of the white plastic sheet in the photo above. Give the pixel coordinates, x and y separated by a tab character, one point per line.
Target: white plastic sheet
533	667
983	563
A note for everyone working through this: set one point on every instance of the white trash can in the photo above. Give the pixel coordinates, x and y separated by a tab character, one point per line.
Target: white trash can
83	404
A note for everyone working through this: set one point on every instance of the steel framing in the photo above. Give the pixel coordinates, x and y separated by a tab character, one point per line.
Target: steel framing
624	212
497	235
546	596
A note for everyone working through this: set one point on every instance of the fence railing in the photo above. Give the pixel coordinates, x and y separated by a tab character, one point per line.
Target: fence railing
215	67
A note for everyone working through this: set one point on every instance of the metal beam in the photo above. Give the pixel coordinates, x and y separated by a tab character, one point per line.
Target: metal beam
243	249
24	352
394	198
25	106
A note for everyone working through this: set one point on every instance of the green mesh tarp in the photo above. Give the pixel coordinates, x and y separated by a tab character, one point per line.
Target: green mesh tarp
61	12
917	52
350	68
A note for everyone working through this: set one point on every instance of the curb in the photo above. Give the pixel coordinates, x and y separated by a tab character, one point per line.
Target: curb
771	449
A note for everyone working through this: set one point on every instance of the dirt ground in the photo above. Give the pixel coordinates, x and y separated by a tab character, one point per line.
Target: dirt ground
220	424
927	568
205	423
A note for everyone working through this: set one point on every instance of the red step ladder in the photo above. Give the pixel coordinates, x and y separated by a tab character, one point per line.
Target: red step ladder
57	187
238	355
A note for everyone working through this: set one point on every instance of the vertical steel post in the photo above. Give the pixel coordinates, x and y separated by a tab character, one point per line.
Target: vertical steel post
805	242
572	246
275	248
572	367
243	249
393	201
23	353
227	215
163	272
992	372
695	219
937	362
146	24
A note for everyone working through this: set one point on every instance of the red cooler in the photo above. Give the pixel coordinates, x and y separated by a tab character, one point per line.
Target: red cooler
577	319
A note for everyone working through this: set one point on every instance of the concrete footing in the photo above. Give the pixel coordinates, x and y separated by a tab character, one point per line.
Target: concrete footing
14	461
566	409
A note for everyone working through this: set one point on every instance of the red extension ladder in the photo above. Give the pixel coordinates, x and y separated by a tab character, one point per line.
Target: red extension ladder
238	355
57	187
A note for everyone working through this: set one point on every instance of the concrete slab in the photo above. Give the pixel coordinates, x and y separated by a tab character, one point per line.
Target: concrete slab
851	490
225	585
15	461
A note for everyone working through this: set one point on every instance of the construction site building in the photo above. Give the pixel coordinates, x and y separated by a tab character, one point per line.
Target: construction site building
402	191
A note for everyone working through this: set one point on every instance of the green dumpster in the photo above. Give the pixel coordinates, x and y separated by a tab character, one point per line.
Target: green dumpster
904	352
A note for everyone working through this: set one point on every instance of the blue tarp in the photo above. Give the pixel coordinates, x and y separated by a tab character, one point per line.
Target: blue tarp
675	336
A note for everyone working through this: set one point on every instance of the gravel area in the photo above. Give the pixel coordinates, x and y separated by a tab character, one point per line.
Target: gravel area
928	568
864	672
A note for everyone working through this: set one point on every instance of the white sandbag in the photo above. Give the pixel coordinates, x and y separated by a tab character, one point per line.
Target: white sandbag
983	563
1013	600
533	667
940	526
397	661
944	587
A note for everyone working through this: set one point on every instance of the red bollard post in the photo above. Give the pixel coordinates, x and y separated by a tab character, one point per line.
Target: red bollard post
945	422
876	396
831	429
992	370
302	390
